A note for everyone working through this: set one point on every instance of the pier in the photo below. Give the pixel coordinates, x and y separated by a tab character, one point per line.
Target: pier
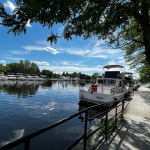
133	133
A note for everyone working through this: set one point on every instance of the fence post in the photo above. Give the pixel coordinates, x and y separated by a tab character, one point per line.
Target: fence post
27	145
106	127
85	130
116	115
122	108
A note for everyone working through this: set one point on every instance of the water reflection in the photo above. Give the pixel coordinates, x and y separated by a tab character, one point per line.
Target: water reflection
30	106
91	112
23	88
17	134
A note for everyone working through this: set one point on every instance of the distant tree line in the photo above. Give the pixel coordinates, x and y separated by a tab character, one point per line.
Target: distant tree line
82	76
27	67
24	67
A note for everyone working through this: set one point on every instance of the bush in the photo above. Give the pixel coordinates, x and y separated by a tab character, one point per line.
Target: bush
110	125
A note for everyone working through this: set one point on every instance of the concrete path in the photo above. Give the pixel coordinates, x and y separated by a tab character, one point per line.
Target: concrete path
134	132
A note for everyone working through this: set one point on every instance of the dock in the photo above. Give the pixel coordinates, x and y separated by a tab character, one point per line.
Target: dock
133	133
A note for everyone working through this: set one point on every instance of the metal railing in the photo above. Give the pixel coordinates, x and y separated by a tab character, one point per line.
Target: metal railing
26	139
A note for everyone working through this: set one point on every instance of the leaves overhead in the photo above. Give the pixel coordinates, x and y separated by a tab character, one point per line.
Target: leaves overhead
124	23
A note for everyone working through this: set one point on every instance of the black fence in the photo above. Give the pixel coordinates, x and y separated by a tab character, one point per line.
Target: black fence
84	137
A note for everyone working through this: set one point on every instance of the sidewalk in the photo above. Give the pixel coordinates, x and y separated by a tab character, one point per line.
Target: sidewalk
134	132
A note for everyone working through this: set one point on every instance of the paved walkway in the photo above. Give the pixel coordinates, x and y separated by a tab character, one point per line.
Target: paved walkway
134	133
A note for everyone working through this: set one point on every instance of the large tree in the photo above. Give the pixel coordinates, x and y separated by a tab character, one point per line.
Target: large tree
98	18
145	73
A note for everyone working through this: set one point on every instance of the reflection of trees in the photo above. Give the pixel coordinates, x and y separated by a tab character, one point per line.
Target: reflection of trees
46	84
20	88
64	84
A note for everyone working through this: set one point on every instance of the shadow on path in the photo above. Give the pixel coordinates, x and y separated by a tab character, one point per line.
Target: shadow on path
130	135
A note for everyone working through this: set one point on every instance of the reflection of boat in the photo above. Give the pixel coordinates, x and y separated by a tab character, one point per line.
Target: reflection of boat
3	82
36	77
10	76
2	76
19	76
62	78
11	82
28	77
113	86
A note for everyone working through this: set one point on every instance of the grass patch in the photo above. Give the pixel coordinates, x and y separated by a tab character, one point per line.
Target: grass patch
110	125
120	116
149	87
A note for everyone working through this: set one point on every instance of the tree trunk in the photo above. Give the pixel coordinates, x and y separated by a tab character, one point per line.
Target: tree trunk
143	19
147	50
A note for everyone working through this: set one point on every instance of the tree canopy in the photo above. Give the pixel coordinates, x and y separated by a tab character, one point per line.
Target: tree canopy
25	67
145	74
87	18
47	73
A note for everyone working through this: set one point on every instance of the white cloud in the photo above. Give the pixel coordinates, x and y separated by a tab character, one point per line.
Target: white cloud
43	42
104	53
100	56
120	57
17	134
113	51
112	62
75	51
20	52
69	68
99	66
100	42
10	5
14	58
2	61
44	63
68	63
121	61
96	51
55	62
40	48
28	23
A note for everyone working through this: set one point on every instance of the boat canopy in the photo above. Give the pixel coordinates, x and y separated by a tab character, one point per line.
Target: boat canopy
127	73
113	66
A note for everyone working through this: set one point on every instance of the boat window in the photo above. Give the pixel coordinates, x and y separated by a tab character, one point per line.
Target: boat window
111	74
111	81
120	83
100	81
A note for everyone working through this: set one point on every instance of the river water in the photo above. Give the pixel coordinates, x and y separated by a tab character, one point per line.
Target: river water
26	107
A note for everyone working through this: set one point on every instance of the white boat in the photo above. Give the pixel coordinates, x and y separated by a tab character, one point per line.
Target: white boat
135	83
36	77
3	77
113	86
28	77
11	76
62	78
19	76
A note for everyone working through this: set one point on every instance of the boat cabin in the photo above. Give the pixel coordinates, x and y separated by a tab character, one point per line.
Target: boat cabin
113	78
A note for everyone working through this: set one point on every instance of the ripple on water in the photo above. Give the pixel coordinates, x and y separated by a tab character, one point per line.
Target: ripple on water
28	106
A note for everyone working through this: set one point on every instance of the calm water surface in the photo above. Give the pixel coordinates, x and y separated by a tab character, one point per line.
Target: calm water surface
29	106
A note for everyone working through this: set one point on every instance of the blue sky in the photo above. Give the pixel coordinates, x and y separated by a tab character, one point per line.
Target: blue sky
87	56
